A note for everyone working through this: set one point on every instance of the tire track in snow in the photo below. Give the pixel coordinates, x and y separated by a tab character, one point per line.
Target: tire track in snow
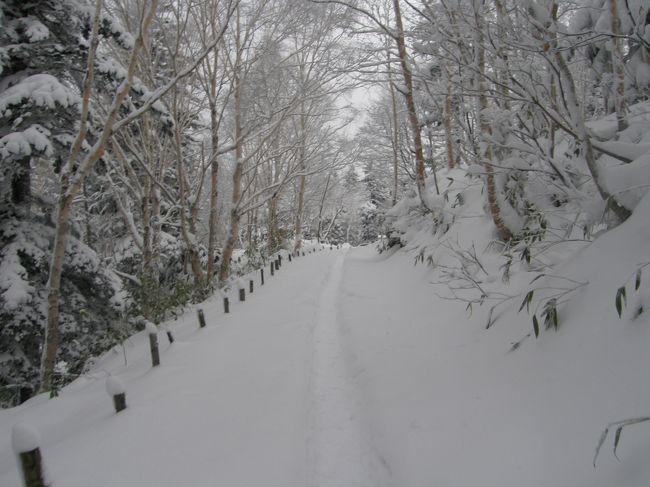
338	454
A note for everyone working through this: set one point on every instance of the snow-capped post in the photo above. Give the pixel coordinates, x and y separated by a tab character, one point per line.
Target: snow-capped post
272	267
201	316
226	305
25	442
250	286
115	388
262	276
152	331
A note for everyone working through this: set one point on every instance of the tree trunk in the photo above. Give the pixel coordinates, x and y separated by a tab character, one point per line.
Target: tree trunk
420	174
448	114
224	268
320	209
486	132
395	132
71	182
212	224
618	68
565	80
303	180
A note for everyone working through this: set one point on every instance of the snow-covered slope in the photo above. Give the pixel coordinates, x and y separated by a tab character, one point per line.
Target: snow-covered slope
346	369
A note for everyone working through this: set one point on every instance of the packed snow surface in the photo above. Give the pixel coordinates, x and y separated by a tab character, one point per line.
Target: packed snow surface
346	369
24	438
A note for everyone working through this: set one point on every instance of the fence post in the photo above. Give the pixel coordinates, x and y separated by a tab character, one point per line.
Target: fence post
199	312
26	445
289	257
262	276
250	286
277	264
152	330
242	294
170	337
226	305
272	267
280	260
115	388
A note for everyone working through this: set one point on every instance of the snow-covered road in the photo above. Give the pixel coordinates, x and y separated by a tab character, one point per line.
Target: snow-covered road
346	370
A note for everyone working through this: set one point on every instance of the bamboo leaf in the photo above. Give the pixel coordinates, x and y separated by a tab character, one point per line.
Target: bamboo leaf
637	280
620	300
490	322
535	326
526	302
617	439
601	440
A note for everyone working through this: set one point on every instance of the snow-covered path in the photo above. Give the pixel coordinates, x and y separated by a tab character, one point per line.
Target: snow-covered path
339	453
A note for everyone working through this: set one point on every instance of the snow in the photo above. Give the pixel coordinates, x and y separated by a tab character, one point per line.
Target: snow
347	369
35	30
24	438
114	386
21	143
150	328
41	90
629	182
14	286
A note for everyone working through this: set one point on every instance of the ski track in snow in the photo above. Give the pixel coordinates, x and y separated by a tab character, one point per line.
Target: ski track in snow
337	452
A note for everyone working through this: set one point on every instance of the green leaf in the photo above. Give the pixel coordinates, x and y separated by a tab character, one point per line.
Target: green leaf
601	440
535	326
490	322
637	280
526	302
620	300
537	277
617	438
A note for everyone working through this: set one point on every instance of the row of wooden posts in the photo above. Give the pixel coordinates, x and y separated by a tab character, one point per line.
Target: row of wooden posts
30	460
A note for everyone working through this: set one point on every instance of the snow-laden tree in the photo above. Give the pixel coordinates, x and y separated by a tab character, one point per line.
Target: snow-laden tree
44	48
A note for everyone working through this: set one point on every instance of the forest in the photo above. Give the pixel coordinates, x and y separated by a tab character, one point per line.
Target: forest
152	151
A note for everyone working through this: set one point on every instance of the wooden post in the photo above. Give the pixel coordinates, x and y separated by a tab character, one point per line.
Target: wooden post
279	260
115	388
199	312
242	294
303	254
277	265
155	354
170	337
262	276
289	257
250	286
226	305
31	464
119	401
152	330
272	267
25	442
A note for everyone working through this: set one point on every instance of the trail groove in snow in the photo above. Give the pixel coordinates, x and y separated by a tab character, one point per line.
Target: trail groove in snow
338	454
